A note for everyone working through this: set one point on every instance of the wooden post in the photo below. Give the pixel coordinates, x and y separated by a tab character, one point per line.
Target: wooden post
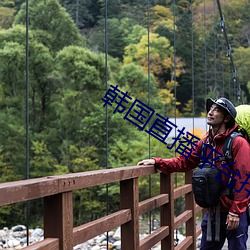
190	205
167	210
129	197
58	219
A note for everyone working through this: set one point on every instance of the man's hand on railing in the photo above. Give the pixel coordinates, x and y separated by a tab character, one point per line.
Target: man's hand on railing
146	162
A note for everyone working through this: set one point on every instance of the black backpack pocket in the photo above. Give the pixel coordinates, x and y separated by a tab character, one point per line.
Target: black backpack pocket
206	188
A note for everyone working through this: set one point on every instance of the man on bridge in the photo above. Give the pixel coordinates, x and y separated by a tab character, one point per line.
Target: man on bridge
233	223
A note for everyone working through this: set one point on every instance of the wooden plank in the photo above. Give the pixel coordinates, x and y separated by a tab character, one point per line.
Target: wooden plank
152	203
90	230
190	205
129	196
198	208
182	218
182	190
94	178
185	244
167	210
46	244
58	219
154	238
198	231
24	190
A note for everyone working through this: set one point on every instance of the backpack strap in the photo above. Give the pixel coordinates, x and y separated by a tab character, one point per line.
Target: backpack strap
227	151
227	147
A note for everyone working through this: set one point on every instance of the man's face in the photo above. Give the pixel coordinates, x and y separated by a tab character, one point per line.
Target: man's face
215	116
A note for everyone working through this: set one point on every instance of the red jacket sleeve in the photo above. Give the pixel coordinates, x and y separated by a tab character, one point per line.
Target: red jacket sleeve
181	163
241	156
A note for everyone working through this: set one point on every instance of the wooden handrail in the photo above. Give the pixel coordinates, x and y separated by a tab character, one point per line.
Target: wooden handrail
58	208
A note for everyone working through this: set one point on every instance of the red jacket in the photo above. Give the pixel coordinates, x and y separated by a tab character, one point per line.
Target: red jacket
241	157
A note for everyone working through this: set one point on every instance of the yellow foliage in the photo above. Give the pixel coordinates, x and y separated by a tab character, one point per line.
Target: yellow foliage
179	66
172	84
174	112
198	132
160	56
203	114
6	17
166	96
161	15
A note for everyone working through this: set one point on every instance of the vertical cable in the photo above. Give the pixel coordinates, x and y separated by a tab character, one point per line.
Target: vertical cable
148	21
236	89
205	50
215	53
106	81
229	84
27	89
221	47
174	71
192	25
27	207
175	92
223	79
174	75
149	148
223	72
77	13
205	55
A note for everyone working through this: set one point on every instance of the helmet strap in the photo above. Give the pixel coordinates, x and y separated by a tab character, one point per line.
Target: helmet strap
213	135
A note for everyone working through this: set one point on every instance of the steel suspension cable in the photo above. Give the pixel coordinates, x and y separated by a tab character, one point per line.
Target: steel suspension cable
175	93
149	141
174	59
215	53
27	207
77	13
192	24
107	87
229	83
205	49
229	53
222	68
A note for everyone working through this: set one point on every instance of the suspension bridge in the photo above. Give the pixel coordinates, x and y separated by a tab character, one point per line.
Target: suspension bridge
56	192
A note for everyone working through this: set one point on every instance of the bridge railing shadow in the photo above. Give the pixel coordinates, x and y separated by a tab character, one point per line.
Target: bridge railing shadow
56	192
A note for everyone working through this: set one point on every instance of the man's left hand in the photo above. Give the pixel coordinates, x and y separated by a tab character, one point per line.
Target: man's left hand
232	222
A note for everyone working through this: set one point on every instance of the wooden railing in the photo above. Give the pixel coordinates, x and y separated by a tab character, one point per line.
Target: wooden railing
59	232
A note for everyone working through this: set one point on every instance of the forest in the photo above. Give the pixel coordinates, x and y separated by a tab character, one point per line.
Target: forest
56	69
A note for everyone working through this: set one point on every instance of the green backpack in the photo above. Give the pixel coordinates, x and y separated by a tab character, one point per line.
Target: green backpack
243	120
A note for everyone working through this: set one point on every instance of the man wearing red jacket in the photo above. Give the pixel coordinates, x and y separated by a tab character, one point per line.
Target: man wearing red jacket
221	115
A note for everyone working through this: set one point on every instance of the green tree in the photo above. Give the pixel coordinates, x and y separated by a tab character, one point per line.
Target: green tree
161	16
241	56
42	163
84	13
53	25
161	57
117	31
12	108
13	60
134	80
